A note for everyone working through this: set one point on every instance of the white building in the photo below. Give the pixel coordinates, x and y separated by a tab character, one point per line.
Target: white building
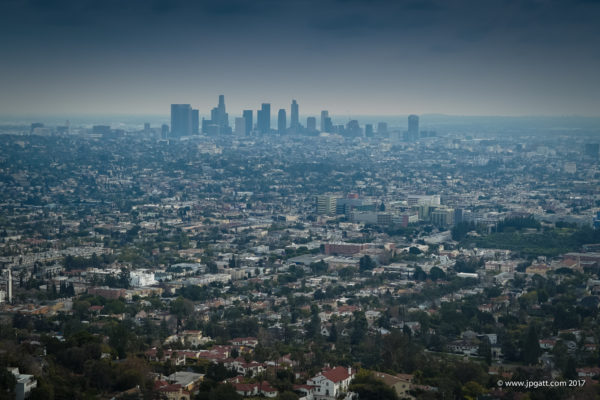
328	384
25	383
433	200
141	278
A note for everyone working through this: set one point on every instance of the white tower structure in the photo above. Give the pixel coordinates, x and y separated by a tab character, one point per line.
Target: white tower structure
9	285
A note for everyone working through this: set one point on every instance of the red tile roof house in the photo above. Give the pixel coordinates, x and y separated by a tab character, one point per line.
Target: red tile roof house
547	343
171	392
304	389
255	389
248	341
177	357
240	366
588	372
331	382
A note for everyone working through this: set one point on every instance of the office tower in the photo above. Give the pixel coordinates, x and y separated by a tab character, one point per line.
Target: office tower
247	114
353	128
326	205
413	128
146	127
181	120
324	116
219	120
281	121
266	107
240	126
311	124
382	129
223	117
328	125
263	122
442	217
294	117
369	130
164	131
214	116
212	130
195	122
260	121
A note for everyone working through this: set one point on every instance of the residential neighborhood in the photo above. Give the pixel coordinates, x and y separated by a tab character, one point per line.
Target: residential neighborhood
298	267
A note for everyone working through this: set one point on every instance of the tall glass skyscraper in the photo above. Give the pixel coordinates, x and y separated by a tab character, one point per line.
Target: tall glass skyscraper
181	120
281	121
263	119
413	128
247	114
324	116
294	116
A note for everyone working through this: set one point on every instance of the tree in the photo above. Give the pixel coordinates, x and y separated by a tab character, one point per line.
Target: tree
319	267
561	355
370	388
43	391
211	266
313	328
472	390
182	307
419	274
436	273
531	347
414	251
359	327
485	350
333	336
460	230
7	383
570	371
123	281
366	263
346	273
287	395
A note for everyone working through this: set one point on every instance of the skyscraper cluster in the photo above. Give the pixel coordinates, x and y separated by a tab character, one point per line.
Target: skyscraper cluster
263	118
185	122
218	124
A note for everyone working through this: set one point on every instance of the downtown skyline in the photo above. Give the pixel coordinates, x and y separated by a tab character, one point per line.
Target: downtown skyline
350	57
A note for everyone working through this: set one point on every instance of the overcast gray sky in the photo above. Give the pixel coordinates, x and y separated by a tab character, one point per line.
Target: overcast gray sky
492	57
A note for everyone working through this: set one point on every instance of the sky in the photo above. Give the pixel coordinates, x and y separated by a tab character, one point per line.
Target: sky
378	57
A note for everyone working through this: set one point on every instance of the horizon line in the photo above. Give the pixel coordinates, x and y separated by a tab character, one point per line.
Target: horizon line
430	114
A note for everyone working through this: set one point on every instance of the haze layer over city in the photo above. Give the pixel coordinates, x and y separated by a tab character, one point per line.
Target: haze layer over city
300	200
